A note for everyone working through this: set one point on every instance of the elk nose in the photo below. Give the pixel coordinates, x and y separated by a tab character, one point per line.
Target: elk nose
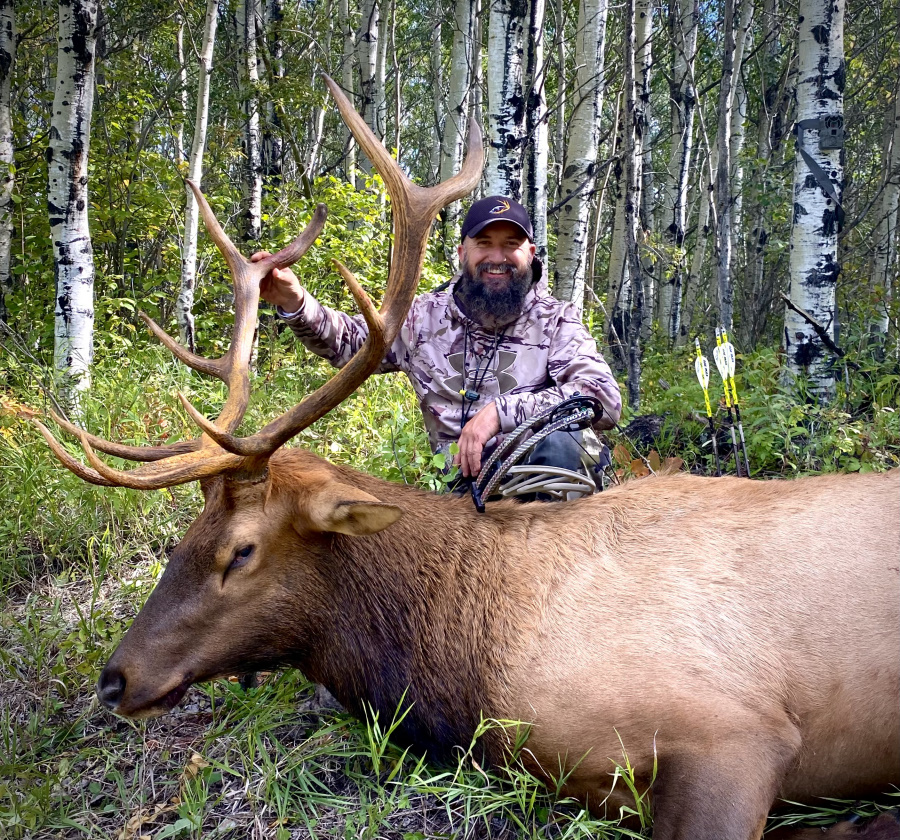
111	687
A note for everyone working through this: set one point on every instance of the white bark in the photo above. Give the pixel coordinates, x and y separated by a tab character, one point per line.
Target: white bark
618	296
272	149
182	92
643	36
379	90
693	279
248	13
684	25
581	153
437	90
67	197
814	232
537	150
737	133
367	61
185	303
462	56
506	103
7	176
884	266
633	149
348	86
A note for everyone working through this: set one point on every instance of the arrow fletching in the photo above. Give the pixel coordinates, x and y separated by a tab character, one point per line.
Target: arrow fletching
701	368
721	362
728	353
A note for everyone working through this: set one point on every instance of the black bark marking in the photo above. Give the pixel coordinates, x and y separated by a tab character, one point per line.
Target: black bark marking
822	33
799	210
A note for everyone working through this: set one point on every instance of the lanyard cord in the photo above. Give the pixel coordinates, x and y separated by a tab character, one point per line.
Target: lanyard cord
480	372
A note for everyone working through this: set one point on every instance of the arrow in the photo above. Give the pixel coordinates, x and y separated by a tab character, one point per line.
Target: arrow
701	368
728	351
722	365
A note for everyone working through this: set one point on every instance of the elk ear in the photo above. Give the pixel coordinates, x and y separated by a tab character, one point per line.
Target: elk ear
343	509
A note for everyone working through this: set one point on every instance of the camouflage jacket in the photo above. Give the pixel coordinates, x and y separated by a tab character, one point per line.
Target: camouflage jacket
543	357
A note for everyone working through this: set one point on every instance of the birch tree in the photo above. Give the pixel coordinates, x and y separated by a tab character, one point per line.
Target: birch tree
367	62
818	186
684	21
462	60
185	304
643	37
581	153
7	166
884	268
537	148
506	101
248	16
271	39
347	75
67	197
632	204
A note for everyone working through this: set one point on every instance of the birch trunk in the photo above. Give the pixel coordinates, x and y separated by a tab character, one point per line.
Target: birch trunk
248	13
724	280
816	221
885	237
618	296
632	208
506	101
683	27
737	134
695	275
537	150
643	36
379	90
437	90
581	153
347	83
559	136
462	57
185	304
182	92
67	197
272	151
7	176
367	61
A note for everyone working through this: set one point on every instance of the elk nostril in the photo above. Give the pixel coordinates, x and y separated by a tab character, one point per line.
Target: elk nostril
111	687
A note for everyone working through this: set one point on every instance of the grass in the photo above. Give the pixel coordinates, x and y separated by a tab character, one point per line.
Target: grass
77	561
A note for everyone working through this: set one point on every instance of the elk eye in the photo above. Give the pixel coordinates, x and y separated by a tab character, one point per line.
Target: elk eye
241	556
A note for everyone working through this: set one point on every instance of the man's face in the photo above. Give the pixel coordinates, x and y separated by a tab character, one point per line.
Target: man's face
494	253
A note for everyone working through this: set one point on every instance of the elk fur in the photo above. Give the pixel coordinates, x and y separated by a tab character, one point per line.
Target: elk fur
742	634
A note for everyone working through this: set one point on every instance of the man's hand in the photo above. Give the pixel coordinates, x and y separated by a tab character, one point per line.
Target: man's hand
475	434
280	286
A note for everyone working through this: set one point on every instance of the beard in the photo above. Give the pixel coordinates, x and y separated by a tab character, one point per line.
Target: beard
493	307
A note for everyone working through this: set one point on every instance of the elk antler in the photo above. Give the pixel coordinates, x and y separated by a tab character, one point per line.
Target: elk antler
218	450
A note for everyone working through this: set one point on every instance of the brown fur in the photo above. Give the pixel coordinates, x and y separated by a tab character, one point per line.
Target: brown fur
742	635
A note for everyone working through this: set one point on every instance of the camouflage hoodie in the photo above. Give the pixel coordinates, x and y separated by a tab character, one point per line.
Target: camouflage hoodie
543	357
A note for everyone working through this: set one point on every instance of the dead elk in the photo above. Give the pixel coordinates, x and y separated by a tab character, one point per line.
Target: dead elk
744	635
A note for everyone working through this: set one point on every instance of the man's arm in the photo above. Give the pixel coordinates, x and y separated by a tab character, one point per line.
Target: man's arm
333	335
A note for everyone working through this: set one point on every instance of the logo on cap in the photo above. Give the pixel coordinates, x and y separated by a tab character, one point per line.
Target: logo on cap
502	207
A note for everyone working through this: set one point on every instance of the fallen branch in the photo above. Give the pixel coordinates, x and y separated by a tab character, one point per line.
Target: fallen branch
820	331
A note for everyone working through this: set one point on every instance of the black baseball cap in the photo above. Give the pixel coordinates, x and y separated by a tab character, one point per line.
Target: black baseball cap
496	208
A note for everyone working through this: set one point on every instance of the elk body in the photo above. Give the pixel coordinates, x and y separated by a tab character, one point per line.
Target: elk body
741	636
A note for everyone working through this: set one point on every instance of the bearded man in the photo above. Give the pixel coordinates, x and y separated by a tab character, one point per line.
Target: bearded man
483	356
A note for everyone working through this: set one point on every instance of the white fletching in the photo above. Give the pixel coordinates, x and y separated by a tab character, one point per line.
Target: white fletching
728	352
721	362
701	367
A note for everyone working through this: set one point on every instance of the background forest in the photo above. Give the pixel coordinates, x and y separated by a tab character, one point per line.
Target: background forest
655	144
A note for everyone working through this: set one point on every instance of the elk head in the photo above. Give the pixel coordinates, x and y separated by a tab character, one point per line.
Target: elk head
261	529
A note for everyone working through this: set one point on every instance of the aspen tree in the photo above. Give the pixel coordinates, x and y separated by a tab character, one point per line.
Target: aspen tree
506	101
185	303
248	16
818	188
581	152
67	197
537	149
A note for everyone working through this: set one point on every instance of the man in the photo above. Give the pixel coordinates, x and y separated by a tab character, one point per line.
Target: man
483	356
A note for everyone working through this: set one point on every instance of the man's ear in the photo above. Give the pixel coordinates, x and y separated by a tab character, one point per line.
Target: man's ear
342	509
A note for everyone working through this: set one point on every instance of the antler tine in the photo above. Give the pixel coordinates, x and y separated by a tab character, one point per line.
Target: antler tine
123	450
414	209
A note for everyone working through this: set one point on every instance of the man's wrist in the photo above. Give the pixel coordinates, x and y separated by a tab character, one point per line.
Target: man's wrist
290	308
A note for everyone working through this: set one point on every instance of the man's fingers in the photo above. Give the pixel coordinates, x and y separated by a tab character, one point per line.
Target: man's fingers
259	255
